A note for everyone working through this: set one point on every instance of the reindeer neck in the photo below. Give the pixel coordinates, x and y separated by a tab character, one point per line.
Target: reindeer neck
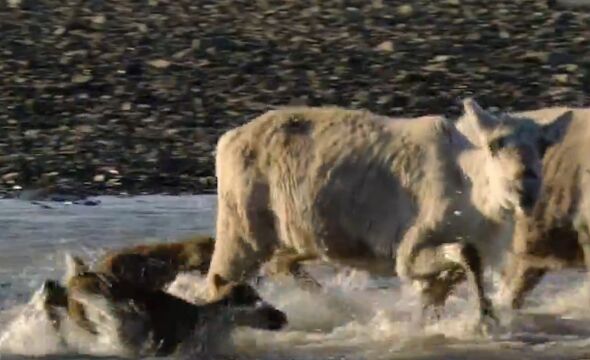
483	191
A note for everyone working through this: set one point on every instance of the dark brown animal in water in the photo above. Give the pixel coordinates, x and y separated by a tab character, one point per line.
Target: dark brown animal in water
154	266
153	322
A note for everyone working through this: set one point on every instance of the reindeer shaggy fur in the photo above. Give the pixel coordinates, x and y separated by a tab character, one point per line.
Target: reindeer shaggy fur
417	197
556	234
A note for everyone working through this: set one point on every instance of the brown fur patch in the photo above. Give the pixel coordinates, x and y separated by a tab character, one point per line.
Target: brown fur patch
156	265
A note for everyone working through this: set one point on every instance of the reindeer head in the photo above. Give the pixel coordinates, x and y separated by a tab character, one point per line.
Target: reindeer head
511	152
247	307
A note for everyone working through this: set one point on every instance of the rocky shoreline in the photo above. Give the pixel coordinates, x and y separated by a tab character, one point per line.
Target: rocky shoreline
111	97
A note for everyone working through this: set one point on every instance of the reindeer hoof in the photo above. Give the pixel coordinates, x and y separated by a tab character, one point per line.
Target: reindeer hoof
488	322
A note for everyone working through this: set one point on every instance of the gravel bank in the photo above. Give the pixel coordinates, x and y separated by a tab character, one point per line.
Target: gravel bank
130	96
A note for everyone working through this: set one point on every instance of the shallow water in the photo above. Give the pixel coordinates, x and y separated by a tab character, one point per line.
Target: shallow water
354	318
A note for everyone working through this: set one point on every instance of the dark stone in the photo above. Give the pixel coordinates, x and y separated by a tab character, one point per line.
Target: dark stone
222	43
134	68
558	58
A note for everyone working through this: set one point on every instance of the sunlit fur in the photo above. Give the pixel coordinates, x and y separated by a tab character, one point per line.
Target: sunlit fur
417	197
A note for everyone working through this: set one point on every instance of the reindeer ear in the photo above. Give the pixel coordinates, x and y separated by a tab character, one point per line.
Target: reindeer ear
555	131
476	123
482	119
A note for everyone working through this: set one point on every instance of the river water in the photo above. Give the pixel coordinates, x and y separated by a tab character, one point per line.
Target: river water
355	317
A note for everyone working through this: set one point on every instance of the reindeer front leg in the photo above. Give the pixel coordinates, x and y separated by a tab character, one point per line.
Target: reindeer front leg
426	261
467	256
436	289
245	241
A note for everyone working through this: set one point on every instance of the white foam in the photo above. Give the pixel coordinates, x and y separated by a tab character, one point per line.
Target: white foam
350	316
31	332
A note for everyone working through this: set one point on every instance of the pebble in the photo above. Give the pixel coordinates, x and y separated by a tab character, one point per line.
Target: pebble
81	78
386	46
160	63
405	10
561	78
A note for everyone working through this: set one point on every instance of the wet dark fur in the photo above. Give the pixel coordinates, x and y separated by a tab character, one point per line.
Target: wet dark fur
170	319
156	265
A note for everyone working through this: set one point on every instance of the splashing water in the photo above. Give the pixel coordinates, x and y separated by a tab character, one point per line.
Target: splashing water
353	317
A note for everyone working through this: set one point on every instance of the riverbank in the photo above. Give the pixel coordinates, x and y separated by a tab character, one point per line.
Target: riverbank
131	97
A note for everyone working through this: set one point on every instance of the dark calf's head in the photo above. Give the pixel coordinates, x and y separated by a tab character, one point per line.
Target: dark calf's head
261	316
248	308
269	318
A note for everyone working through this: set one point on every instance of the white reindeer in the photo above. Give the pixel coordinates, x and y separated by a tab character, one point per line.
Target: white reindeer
419	198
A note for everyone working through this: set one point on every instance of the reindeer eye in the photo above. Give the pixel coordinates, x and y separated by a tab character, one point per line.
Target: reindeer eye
497	144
